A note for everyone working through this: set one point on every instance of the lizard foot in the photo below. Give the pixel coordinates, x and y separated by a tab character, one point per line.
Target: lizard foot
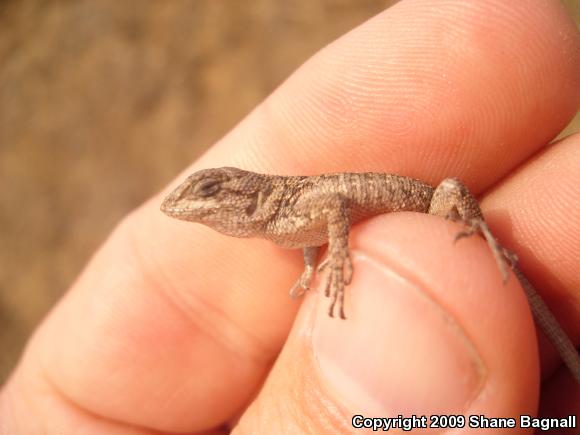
302	285
504	258
322	265
340	276
347	265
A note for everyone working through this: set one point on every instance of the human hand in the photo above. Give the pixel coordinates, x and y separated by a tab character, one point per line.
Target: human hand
175	328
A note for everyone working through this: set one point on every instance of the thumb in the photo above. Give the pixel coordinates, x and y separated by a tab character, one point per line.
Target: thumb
430	330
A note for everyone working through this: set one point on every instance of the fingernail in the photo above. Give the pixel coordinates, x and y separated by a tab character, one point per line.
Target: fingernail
399	351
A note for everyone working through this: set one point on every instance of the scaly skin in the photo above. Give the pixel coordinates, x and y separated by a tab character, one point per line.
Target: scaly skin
309	211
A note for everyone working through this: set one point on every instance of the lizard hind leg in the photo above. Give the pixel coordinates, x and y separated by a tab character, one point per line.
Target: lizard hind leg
452	200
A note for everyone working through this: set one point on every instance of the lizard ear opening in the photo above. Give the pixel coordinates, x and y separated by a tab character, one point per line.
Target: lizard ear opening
253	205
257	202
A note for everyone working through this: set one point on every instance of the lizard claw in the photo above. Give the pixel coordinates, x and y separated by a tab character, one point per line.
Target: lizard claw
297	290
463	234
504	258
472	228
510	257
322	265
508	260
335	285
327	289
340	276
347	270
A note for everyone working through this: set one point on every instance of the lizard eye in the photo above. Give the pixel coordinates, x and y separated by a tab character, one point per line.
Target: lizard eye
207	187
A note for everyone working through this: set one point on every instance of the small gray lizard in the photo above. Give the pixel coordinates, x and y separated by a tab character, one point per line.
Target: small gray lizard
309	211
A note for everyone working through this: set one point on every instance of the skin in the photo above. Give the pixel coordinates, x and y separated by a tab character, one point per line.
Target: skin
175	328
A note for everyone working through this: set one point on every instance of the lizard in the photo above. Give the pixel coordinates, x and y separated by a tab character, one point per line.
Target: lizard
308	212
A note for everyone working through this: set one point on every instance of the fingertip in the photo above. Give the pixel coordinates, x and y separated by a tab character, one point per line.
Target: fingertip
430	330
424	91
385	361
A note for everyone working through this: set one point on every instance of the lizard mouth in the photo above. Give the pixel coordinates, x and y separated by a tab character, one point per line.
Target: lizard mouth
168	207
189	211
173	205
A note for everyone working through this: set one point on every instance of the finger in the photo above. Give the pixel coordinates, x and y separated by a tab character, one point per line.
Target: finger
536	213
188	318
430	331
468	89
54	416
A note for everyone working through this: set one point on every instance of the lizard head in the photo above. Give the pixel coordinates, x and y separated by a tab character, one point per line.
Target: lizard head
229	200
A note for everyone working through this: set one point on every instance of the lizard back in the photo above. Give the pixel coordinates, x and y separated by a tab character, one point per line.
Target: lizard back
305	203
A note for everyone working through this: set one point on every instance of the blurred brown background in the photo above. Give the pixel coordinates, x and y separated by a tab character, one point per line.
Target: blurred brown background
102	103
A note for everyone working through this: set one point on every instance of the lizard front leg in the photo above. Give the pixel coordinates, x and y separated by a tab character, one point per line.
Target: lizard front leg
326	213
324	217
338	257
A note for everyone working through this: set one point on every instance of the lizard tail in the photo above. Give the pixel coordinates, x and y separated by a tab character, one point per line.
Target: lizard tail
550	326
